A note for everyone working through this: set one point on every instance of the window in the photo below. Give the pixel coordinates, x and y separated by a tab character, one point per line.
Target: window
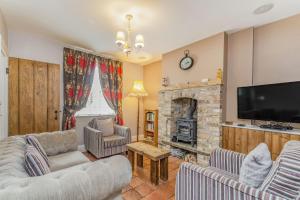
96	103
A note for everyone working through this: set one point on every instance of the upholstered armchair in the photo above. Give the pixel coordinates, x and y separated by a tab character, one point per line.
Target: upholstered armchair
100	143
220	180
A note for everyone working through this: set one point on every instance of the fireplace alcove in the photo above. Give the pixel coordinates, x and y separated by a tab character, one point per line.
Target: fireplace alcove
184	122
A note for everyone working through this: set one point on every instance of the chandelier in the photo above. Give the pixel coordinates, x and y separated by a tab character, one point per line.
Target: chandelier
125	43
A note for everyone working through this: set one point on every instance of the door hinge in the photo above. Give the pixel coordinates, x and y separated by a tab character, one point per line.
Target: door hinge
7	70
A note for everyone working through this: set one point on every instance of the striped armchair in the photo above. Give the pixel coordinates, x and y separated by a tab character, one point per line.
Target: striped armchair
102	146
219	180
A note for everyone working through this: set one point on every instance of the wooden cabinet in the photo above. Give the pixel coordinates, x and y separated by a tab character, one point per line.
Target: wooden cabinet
244	139
151	127
34	96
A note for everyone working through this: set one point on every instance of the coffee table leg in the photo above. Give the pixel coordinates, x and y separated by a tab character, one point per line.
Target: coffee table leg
139	160
131	158
164	169
154	172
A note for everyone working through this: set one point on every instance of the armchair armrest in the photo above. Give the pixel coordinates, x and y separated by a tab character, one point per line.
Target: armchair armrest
93	140
226	160
123	131
196	183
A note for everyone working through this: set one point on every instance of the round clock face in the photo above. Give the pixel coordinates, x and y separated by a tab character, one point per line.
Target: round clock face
186	63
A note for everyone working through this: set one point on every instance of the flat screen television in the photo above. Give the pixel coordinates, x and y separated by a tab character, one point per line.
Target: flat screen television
275	102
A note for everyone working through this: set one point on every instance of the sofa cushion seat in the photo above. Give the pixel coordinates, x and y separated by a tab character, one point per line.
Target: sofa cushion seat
114	140
66	160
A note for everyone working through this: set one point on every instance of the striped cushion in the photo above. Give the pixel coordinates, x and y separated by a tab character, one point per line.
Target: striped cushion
284	178
35	164
31	140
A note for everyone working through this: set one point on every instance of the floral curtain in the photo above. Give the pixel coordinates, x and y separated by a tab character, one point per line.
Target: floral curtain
78	73
111	74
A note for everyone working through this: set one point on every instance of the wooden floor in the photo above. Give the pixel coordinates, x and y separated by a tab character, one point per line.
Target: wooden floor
140	187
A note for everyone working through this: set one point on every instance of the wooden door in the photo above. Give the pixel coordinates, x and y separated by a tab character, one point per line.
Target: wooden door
13	96
26	96
34	95
40	97
53	97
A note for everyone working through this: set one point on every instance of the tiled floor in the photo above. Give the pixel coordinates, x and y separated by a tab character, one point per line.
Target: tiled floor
140	187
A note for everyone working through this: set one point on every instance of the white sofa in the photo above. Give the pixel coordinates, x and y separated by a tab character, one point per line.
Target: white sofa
72	177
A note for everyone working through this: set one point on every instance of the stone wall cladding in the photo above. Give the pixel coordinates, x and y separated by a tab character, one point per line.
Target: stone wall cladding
209	116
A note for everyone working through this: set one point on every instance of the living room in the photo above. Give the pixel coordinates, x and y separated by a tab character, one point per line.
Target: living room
180	100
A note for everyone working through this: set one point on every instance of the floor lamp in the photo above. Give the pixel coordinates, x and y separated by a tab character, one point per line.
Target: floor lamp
138	91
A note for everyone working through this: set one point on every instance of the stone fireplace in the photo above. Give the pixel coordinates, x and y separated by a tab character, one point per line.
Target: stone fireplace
176	109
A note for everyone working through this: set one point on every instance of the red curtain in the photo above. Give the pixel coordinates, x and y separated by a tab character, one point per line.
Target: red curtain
111	75
78	72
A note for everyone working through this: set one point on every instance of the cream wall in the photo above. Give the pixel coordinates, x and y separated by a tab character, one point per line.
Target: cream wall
152	83
277	52
239	68
269	54
208	55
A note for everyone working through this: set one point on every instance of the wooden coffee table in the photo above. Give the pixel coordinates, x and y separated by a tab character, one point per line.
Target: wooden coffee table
156	155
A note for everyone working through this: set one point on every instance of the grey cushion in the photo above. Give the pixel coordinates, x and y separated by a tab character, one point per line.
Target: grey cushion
106	126
66	160
256	166
58	141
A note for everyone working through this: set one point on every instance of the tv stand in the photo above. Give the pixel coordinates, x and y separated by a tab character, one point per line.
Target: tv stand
277	127
244	139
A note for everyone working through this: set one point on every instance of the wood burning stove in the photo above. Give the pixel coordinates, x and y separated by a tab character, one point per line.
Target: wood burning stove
186	127
186	130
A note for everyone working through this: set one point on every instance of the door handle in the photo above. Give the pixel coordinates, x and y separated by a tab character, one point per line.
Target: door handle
56	114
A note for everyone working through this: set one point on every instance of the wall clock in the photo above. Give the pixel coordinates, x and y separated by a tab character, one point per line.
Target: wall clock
186	62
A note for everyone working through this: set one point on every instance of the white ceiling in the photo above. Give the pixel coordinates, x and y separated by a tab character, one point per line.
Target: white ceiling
165	24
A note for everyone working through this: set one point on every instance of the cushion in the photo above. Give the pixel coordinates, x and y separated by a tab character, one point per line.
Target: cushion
31	140
58	141
256	166
65	160
35	164
114	140
106	126
284	177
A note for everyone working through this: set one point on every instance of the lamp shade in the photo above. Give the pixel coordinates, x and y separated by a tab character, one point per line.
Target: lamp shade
138	89
120	38
139	41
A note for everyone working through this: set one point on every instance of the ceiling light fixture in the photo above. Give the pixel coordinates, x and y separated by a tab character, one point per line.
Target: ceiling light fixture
123	41
263	9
